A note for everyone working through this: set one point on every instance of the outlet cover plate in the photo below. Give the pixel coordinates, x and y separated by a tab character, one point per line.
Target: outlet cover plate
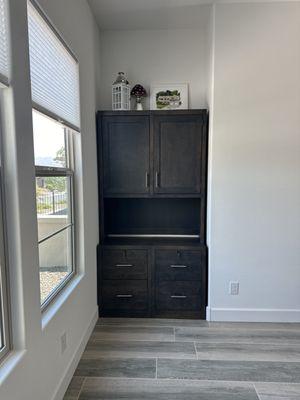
234	288
63	342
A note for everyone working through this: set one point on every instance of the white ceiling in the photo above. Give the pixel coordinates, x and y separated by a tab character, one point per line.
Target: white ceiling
154	14
149	14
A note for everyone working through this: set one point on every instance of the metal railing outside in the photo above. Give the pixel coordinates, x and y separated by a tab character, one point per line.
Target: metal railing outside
52	203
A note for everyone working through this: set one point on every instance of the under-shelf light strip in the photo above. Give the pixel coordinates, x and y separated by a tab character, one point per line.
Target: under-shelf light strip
152	236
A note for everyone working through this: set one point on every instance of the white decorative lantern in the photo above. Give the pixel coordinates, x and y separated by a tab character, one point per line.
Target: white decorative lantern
121	93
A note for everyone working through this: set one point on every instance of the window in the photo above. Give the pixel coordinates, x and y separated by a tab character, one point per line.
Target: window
53	150
55	95
4	299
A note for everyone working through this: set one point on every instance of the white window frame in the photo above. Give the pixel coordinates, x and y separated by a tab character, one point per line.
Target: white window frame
5	321
68	171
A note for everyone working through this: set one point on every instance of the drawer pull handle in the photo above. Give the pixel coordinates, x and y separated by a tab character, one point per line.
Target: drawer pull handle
124	296
178	266
147	180
156	179
178	297
124	265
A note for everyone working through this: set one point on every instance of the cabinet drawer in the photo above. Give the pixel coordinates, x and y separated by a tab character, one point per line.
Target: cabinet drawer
124	295
180	265
179	296
124	264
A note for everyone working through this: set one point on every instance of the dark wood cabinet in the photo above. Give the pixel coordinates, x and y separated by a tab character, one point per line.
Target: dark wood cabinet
126	154
124	297
180	265
153	154
177	153
152	258
180	281
155	280
178	296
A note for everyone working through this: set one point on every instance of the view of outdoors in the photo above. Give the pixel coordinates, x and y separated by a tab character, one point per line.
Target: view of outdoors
53	199
49	141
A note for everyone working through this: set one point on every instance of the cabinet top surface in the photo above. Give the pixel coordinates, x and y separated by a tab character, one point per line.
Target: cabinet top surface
152	242
154	112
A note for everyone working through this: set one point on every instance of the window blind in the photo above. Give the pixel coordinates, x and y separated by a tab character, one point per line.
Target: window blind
54	71
4	63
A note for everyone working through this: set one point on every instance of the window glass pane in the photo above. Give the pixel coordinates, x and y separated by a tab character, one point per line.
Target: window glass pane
56	262
53	201
49	141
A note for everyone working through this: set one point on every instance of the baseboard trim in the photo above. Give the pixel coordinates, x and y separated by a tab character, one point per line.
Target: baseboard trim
208	315
66	379
253	315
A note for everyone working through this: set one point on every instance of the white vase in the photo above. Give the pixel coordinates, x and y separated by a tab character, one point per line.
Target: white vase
139	104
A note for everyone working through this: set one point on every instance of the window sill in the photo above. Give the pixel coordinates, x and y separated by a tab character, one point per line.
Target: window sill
9	363
49	313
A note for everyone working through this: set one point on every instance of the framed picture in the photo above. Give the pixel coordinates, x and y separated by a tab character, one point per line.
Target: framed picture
167	96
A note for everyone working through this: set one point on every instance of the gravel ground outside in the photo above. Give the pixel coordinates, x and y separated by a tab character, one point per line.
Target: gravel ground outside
49	282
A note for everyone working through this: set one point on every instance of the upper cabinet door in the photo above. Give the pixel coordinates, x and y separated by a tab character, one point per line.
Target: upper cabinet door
179	151
126	155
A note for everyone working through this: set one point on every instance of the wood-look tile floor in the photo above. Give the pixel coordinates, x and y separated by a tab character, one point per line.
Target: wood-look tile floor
159	359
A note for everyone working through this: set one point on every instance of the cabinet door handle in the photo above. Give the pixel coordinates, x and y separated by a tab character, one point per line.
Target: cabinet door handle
156	179
124	296
178	297
124	265
178	266
147	180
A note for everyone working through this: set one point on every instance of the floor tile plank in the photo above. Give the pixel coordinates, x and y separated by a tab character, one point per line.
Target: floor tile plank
119	367
74	388
247	352
255	325
164	390
152	322
139	349
104	332
227	335
275	391
229	370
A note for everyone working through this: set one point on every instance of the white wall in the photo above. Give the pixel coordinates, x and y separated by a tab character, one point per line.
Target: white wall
36	369
254	234
156	56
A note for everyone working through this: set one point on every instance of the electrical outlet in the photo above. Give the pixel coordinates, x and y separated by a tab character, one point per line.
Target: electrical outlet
234	288
63	342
